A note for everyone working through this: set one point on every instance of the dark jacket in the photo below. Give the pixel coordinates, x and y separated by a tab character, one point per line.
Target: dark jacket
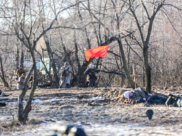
20	72
92	71
175	101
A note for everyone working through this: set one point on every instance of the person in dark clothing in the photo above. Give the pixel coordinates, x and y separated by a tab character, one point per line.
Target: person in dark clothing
174	100
140	95
93	74
154	99
20	71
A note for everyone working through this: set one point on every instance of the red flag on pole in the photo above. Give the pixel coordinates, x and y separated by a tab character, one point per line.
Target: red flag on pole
100	51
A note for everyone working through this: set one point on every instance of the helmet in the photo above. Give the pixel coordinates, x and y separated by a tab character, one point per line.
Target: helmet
91	65
66	63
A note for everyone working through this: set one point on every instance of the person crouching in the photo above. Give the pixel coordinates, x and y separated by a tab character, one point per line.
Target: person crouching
93	74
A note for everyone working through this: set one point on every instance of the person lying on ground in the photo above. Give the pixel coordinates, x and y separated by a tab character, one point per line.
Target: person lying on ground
65	75
139	95
93	75
174	100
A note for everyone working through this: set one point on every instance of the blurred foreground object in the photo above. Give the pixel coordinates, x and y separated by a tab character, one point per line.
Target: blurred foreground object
69	130
2	104
149	113
5	95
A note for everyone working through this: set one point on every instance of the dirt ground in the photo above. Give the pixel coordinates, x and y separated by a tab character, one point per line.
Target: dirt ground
99	111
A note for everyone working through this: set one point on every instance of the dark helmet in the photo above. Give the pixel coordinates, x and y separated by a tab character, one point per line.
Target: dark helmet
66	63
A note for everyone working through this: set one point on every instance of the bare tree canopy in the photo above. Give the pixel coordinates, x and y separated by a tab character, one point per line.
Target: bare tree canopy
143	36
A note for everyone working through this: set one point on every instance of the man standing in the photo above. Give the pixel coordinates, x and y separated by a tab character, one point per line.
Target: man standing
93	74
20	82
20	71
65	75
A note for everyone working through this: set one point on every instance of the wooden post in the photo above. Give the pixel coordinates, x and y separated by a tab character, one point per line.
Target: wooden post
133	75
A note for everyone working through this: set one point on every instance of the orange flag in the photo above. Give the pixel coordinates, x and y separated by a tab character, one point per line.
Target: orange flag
100	51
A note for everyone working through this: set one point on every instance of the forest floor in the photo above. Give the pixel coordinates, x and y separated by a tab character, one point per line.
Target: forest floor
99	111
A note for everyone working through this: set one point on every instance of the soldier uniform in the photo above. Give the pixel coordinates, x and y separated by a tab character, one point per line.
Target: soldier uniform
20	71
140	95
137	97
92	72
174	100
20	82
65	76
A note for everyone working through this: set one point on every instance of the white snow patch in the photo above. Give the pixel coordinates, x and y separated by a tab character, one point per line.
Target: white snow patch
96	98
12	103
36	101
74	98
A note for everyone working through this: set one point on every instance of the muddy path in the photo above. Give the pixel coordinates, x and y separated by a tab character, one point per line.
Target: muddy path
97	110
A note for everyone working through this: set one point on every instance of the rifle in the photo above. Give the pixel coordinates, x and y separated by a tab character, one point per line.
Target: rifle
147	100
64	72
174	96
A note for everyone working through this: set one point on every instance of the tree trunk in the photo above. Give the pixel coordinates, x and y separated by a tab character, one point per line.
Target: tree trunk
53	64
147	69
81	71
20	109
22	58
76	51
17	58
3	76
46	70
23	114
21	96
26	110
130	80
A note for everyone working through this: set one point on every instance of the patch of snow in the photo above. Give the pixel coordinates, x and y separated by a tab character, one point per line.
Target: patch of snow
54	99
85	113
36	101
45	123
96	98
12	103
74	98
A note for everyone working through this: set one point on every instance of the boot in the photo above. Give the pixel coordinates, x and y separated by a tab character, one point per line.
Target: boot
67	86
